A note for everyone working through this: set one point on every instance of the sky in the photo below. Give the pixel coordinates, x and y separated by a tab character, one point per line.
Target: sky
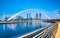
11	7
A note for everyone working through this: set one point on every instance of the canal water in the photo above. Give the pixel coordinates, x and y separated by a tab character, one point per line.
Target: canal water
12	30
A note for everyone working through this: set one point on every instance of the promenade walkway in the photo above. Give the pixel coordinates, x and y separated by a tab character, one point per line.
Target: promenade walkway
58	31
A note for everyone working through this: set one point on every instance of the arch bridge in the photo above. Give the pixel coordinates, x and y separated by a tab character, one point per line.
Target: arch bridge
46	32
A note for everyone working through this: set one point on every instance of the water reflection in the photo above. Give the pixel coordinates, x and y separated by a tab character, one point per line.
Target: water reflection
10	30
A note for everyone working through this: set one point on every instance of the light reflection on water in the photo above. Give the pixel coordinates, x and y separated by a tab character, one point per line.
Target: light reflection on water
10	30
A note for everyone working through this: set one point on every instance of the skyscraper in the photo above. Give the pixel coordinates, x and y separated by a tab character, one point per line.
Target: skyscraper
40	21
40	15
36	21
36	17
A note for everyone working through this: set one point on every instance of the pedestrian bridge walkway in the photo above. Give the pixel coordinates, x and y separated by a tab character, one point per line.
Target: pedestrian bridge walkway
58	31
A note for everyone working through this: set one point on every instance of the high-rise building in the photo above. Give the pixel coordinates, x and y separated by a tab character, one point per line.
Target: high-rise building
6	18
36	17
29	20
40	15
36	20
40	21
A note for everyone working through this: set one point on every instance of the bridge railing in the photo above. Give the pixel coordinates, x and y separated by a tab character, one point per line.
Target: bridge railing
46	32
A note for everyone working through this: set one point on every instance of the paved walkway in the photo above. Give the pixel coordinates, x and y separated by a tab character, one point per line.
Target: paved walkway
58	31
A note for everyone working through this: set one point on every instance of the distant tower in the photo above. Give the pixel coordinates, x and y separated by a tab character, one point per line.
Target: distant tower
40	21
29	21
36	17
18	24
6	18
27	16
36	20
40	16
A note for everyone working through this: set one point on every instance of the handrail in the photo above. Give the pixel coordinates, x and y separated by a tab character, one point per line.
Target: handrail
34	33
48	32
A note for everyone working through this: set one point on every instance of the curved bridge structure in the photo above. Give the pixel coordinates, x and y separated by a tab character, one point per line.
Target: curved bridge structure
31	12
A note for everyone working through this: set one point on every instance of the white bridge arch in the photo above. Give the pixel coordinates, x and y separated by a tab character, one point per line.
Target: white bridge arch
32	11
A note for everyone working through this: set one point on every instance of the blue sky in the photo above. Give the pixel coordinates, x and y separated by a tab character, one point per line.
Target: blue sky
11	7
